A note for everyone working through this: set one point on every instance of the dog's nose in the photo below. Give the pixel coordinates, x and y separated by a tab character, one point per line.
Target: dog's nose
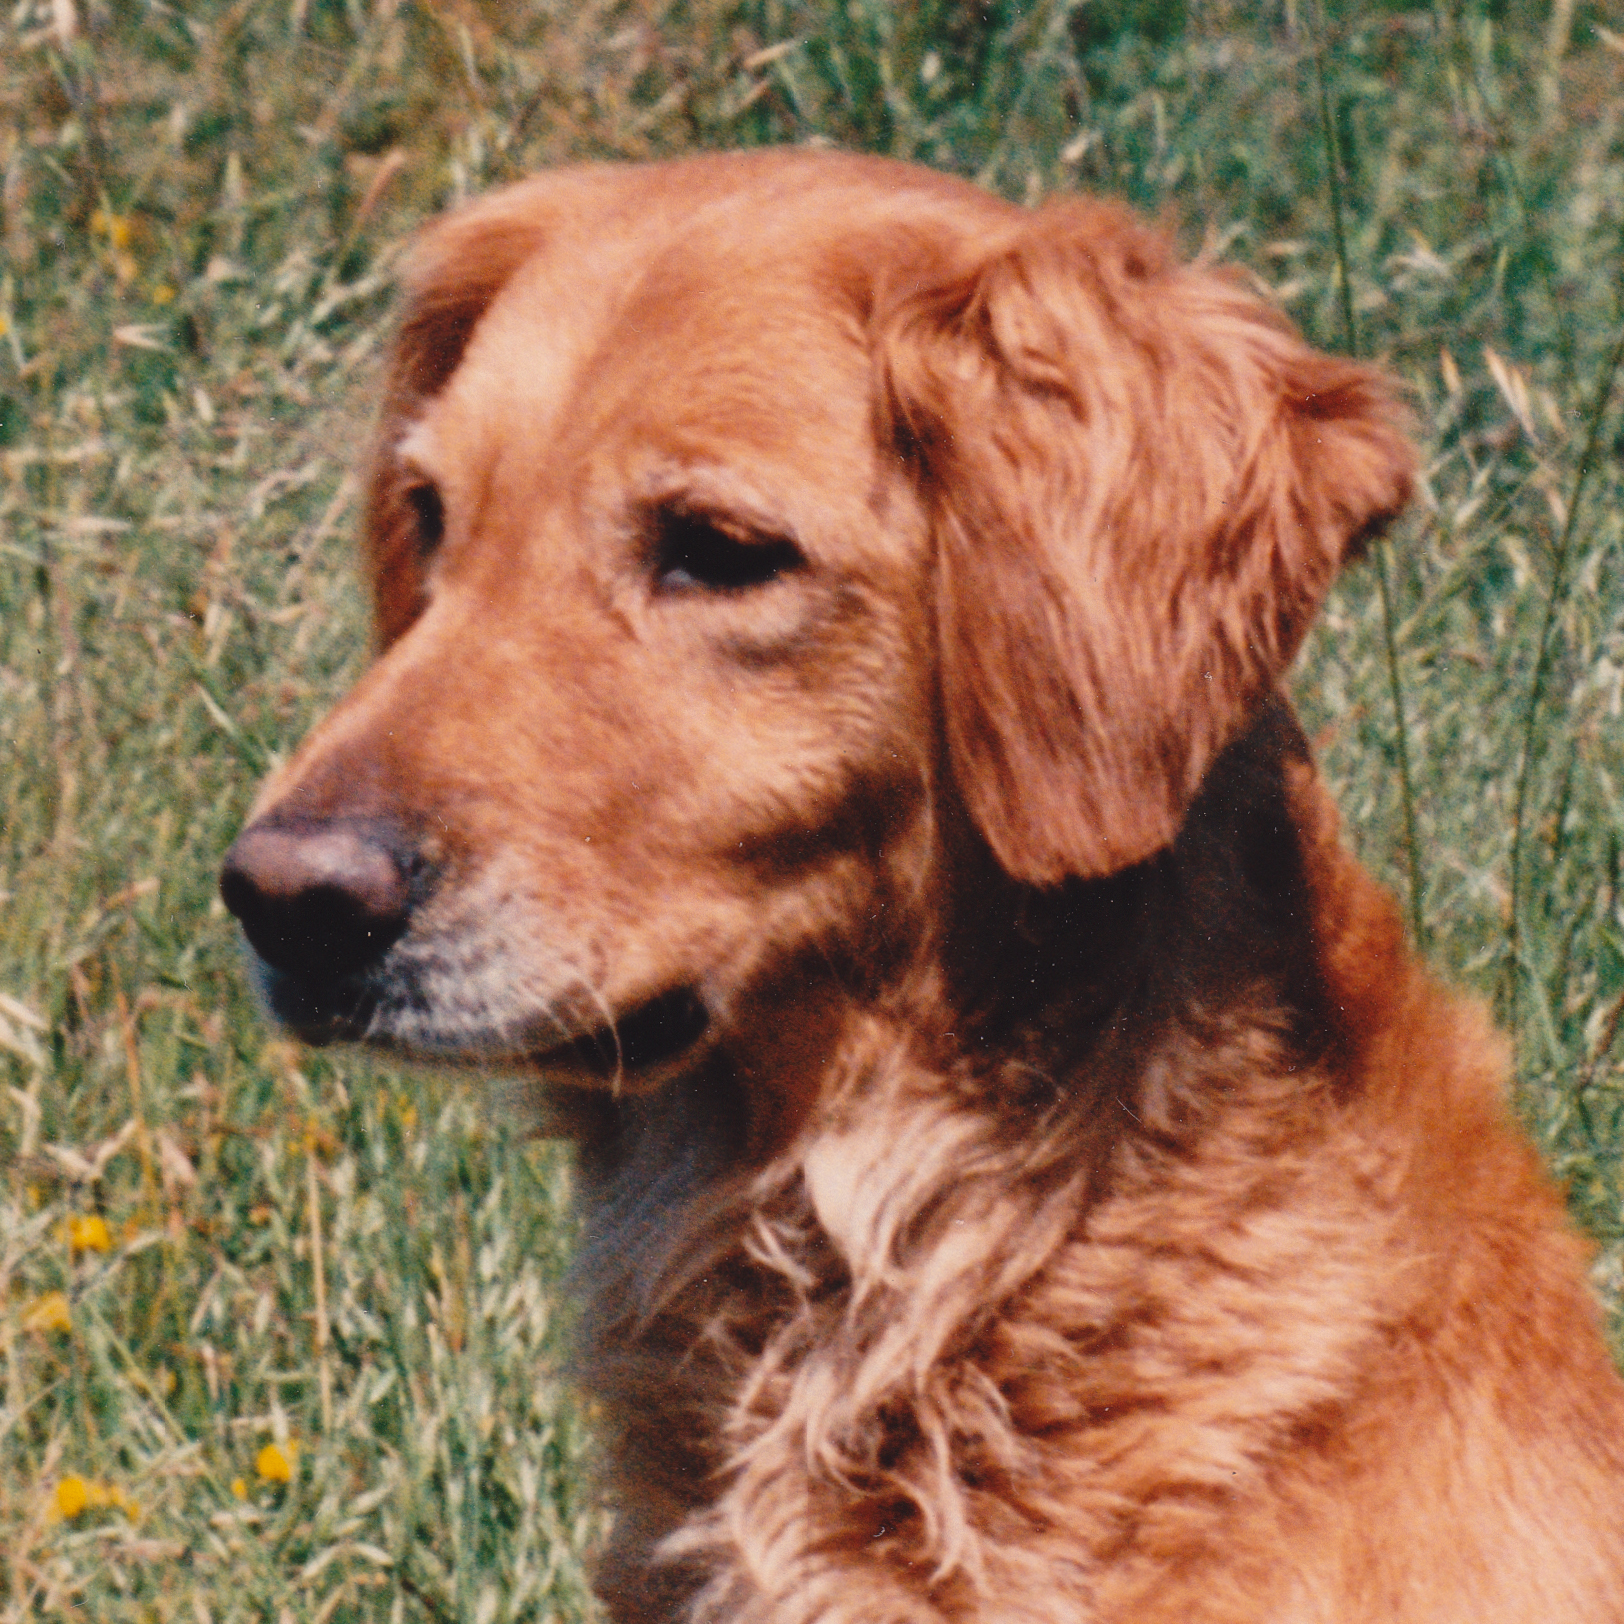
318	900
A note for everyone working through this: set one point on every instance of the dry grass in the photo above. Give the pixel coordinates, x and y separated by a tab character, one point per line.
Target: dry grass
201	206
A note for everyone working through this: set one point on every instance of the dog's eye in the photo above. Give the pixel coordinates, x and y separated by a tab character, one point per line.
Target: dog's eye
693	552
428	510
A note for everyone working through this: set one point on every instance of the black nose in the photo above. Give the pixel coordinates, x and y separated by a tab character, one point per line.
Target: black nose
320	899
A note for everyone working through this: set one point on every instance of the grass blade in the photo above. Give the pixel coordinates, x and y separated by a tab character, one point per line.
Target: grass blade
1543	660
1350	334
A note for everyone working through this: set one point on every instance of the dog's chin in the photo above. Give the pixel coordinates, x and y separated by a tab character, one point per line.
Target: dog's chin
639	1049
315	1012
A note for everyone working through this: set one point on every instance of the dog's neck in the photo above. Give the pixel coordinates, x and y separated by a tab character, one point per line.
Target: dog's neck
1220	911
975	1109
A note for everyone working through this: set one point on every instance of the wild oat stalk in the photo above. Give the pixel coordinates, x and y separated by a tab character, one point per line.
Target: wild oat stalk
1333	171
1544	659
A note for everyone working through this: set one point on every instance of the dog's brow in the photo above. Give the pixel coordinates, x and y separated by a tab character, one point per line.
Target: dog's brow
415	449
711	488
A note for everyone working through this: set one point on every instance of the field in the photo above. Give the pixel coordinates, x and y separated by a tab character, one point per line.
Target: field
278	1330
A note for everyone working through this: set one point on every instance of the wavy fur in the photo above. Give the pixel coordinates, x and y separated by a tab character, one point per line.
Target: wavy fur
827	732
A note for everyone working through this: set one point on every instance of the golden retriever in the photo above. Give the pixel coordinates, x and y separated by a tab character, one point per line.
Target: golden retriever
826	727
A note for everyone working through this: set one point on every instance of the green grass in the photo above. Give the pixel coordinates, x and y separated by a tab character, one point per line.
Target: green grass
202	203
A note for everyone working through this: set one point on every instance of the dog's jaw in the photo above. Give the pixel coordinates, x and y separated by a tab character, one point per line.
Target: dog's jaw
445	1001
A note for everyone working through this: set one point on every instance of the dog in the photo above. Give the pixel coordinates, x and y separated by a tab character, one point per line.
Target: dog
827	730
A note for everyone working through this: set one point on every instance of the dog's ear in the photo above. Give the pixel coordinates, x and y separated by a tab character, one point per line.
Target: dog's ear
1141	485
454	270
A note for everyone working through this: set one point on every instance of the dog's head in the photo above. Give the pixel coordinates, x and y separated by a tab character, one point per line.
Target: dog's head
738	526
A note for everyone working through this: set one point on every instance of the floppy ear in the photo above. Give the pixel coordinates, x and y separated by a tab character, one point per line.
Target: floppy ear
1142	484
456	267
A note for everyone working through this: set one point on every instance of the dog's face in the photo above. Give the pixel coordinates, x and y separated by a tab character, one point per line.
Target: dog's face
736	528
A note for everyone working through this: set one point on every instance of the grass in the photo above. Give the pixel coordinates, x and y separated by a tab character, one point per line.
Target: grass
212	1243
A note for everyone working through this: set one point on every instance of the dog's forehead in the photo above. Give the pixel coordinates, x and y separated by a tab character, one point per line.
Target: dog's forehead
736	325
525	355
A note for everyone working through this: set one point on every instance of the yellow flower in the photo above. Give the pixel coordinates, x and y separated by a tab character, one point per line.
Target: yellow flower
76	1495
114	227
89	1234
274	1462
49	1313
72	1496
163	294
118	230
239	1488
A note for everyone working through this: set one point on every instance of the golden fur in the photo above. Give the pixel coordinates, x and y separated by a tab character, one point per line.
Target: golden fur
826	729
